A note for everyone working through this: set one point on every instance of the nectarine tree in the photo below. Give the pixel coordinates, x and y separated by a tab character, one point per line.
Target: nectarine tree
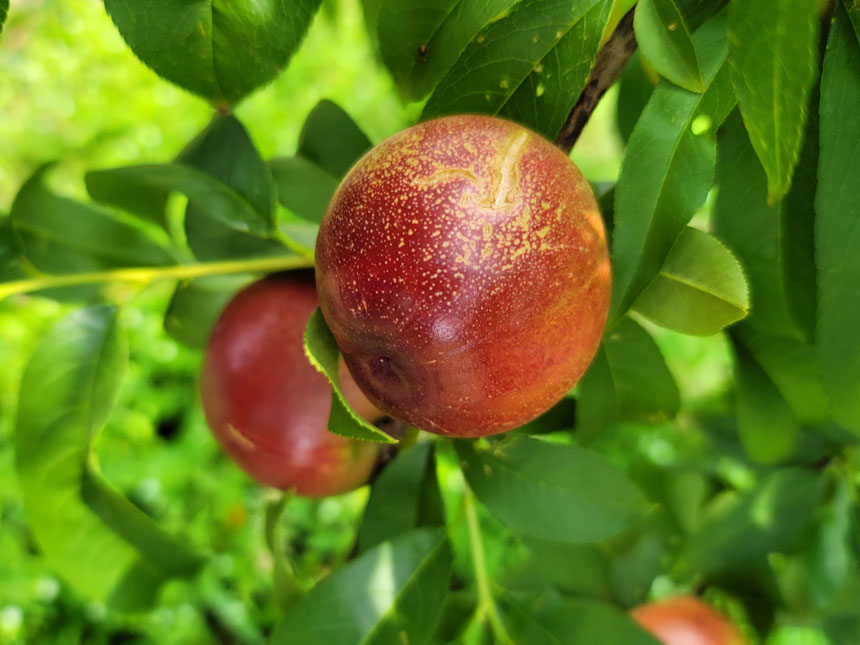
638	378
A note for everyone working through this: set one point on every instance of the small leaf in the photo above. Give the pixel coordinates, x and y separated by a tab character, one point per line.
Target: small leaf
303	187
531	64
773	51
837	204
628	379
224	151
700	290
405	496
323	354
553	619
219	201
767	426
551	491
60	235
774	243
196	305
219	50
92	536
420	43
665	41
668	168
390	594
766	519
331	139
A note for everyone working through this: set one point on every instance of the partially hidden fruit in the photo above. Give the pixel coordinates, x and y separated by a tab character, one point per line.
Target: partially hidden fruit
463	270
267	406
686	620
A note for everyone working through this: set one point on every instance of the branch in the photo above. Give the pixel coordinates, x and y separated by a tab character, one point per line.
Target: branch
608	65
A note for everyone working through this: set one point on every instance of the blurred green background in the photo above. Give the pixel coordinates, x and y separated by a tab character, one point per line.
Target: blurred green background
70	90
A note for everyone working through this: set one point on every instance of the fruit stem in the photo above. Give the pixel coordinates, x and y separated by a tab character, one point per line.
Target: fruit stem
486	604
145	275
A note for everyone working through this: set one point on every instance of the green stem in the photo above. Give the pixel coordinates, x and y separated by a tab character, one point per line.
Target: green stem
486	604
145	275
287	586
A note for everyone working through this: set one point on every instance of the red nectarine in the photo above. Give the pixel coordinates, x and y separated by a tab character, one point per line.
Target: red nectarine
686	620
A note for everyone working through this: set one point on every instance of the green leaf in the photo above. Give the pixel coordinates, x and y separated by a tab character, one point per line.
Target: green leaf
668	168
837	203
853	10
196	305
773	51
767	426
553	619
774	243
331	139
224	151
220	201
665	42
390	594
766	519
700	290
634	90
404	497
10	260
323	354
530	65
4	10
303	187
628	379
420	43
219	50
89	534
551	491
60	235
576	569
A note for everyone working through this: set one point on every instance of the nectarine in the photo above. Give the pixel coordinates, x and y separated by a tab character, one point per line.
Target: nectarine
686	620
267	406
463	270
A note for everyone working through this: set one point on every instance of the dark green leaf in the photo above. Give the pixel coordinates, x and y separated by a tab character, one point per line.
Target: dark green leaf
561	416
331	139
628	379
552	619
10	260
303	187
763	236
668	168
766	519
196	305
773	53
219	50
530	65
323	353
767	426
127	192
4	10
853	10
791	365
219	201
665	42
420	43
576	569
225	152
551	491
634	90
89	534
404	497
390	594
837	203
60	235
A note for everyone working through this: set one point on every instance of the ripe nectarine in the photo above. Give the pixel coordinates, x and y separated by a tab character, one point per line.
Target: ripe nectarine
686	620
463	270
267	406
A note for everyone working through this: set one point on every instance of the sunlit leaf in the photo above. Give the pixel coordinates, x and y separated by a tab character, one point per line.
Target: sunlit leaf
664	40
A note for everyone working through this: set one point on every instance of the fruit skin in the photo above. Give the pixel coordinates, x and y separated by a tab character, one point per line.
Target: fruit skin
267	405
686	620
463	270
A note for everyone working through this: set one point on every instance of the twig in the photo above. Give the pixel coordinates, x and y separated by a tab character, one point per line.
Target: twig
608	65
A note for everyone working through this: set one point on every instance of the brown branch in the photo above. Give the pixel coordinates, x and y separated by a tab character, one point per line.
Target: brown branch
608	65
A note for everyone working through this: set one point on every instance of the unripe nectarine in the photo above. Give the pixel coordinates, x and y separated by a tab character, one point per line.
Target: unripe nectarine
265	403
463	270
686	620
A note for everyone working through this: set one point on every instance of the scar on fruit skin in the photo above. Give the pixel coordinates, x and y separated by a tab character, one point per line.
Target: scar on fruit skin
506	171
